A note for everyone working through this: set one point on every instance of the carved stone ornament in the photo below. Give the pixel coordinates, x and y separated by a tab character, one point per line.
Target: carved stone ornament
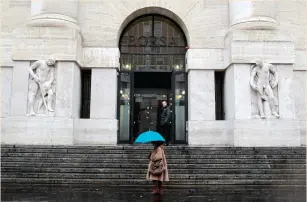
42	87
263	80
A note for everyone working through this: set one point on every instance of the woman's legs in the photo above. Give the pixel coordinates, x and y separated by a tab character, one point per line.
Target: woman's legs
160	187
156	187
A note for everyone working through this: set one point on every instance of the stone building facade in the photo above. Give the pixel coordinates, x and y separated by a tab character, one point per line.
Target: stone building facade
239	58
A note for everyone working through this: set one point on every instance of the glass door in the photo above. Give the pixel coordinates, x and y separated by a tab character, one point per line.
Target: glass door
179	107
124	106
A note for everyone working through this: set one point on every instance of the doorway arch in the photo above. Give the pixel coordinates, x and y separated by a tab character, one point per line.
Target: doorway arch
152	69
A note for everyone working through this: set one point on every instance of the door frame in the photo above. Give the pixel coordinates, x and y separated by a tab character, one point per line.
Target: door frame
132	100
173	91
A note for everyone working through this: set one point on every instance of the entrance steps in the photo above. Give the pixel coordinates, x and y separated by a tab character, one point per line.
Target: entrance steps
25	166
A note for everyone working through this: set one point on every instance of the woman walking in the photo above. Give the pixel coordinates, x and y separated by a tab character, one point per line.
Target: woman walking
157	168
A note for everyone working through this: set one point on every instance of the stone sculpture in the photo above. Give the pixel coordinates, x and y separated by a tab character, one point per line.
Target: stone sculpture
263	80
41	85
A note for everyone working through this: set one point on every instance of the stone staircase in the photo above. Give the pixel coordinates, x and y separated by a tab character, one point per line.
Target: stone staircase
125	166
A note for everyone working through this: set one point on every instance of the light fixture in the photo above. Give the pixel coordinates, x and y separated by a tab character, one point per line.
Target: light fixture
128	66
121	91
177	67
183	92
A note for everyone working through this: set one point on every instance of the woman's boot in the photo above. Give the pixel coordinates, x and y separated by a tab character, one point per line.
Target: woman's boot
160	187
155	190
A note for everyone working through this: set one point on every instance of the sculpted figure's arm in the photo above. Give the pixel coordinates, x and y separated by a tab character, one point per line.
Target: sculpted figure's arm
51	78
274	82
34	66
252	78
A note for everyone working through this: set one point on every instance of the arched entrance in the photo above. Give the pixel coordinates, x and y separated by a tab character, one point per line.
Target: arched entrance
152	69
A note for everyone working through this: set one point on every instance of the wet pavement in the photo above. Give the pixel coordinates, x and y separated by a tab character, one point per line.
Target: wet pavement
136	194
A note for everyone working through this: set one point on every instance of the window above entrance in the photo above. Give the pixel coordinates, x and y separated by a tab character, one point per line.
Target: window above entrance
153	43
153	34
152	63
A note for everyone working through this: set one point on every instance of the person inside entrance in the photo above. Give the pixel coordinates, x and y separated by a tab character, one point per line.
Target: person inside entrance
165	122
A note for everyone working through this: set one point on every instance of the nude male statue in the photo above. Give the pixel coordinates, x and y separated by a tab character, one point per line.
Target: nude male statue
41	84
264	79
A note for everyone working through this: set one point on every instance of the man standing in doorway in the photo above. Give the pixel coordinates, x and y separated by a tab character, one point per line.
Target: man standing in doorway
165	121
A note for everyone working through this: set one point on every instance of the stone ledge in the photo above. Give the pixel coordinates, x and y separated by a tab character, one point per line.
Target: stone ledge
100	57
209	133
246	133
65	43
95	131
255	23
303	132
248	46
37	130
300	60
6	50
204	59
36	43
58	131
258	35
270	132
53	20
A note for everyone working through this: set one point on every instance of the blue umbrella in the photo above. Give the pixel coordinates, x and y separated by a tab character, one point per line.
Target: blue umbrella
149	136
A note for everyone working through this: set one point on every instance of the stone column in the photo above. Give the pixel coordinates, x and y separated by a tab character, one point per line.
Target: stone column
54	13
202	127
102	127
242	49
300	92
6	74
251	14
286	97
237	92
20	85
201	95
47	130
104	93
53	30
68	90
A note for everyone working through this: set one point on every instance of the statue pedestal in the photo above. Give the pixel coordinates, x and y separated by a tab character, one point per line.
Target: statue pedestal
37	130
247	133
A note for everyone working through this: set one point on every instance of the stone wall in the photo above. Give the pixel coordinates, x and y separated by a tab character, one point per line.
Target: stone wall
85	34
208	31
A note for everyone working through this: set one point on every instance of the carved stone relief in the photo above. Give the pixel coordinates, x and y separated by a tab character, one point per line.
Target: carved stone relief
42	87
264	80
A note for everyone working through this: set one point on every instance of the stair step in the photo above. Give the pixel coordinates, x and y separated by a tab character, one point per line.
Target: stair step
142	161
141	170
144	166
174	151
39	188
103	182
142	156
136	194
143	175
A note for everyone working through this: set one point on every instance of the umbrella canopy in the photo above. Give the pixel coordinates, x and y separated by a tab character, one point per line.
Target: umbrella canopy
149	136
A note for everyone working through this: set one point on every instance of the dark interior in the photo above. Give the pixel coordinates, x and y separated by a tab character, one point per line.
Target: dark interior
153	80
150	83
